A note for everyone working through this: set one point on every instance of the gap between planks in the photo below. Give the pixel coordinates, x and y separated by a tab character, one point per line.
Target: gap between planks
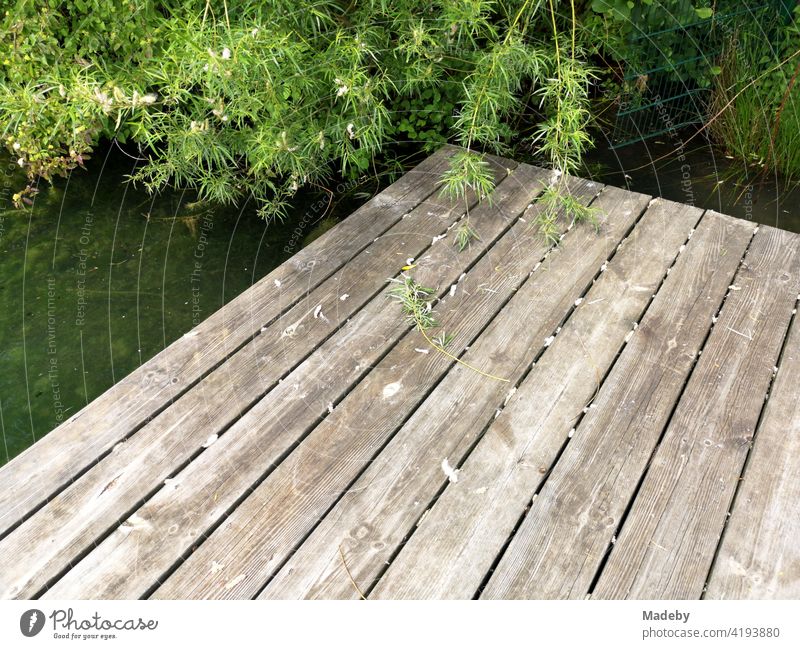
391	495
758	556
282	397
56	460
458	541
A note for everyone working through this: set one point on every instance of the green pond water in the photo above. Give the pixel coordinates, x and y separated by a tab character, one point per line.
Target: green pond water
97	277
691	171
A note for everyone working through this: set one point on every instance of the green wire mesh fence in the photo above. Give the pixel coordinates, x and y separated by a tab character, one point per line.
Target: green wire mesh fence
669	72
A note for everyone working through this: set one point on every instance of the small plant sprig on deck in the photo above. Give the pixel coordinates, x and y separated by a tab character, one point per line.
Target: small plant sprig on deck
416	302
444	339
557	199
468	172
465	235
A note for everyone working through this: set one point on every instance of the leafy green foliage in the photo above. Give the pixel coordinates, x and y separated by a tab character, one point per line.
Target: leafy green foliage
564	135
468	172
443	339
239	99
556	200
642	35
425	118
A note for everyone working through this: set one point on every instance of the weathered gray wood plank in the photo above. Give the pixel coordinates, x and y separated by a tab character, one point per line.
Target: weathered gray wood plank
266	528
562	539
53	462
760	555
226	470
668	541
300	449
450	553
88	507
382	507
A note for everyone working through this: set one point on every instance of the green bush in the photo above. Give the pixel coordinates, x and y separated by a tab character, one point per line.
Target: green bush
755	110
675	36
238	99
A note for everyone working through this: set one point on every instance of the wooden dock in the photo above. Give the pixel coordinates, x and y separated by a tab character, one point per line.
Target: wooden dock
639	435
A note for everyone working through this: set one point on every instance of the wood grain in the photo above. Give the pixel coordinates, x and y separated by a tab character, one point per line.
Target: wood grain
668	541
381	509
560	543
292	446
239	458
457	542
42	470
74	519
760	557
288	504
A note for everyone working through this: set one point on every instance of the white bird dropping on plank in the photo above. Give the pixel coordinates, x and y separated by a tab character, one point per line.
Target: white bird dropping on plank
234	582
391	389
450	472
